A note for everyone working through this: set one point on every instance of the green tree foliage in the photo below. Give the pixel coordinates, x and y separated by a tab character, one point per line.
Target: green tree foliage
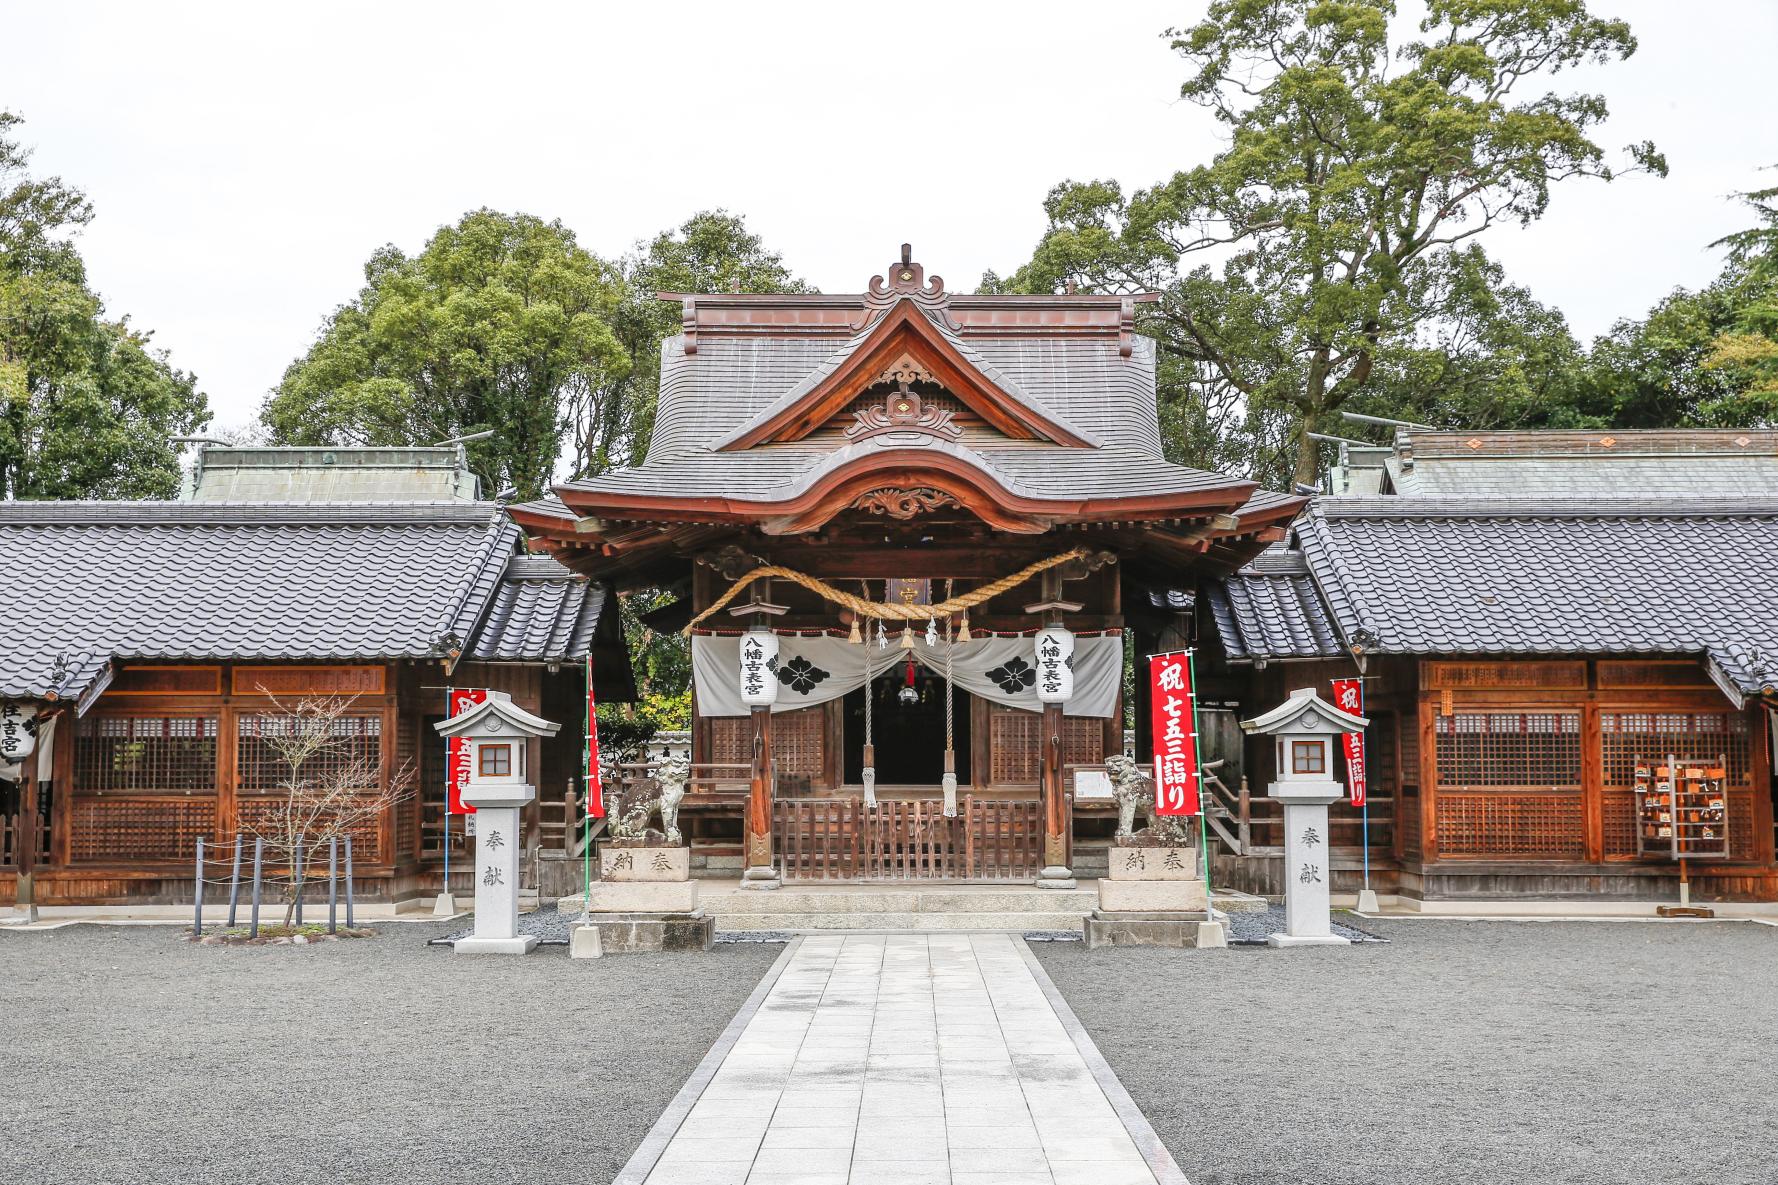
1746	353
712	251
1323	255
87	405
501	322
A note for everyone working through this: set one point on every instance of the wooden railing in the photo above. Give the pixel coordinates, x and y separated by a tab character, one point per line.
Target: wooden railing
842	839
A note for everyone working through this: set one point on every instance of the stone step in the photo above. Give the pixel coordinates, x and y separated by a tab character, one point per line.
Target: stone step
874	900
996	920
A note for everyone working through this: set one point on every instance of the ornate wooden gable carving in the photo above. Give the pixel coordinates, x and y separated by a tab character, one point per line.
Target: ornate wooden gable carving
910	339
903	419
898	503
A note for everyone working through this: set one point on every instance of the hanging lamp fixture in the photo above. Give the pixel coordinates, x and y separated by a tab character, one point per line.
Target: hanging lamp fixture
909	695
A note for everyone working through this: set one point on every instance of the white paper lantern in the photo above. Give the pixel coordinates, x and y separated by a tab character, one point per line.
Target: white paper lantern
759	669
1055	665
17	737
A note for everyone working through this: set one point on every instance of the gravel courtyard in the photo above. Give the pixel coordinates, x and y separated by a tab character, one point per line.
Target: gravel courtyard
1461	1053
133	1057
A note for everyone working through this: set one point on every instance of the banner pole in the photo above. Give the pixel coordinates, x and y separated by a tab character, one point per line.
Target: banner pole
1191	667
586	791
450	702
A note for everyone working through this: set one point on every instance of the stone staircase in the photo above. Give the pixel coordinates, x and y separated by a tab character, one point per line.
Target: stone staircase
1017	908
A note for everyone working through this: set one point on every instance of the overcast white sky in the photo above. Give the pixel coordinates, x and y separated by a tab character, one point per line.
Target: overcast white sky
245	159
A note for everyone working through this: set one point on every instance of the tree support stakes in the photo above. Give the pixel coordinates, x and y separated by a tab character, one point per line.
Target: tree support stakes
197	895
258	860
234	883
333	885
348	882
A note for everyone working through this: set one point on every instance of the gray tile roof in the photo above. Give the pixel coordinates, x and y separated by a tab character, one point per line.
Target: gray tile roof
1431	575
89	582
1596	463
542	612
1269	610
709	396
1001	379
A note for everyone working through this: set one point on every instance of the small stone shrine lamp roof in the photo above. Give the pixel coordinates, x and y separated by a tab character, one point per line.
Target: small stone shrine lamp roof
1305	712
497	716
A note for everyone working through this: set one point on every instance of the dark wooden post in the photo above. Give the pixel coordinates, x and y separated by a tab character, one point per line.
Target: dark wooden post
1055	820
1052	793
25	839
760	872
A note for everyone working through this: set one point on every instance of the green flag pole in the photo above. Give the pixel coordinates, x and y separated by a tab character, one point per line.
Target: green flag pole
1191	666
586	793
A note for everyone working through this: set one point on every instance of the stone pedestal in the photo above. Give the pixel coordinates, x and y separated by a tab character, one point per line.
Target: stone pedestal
644	900
1152	896
761	876
1367	901
1307	869
496	872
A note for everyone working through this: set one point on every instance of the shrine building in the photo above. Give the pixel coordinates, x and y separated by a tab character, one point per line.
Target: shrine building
1568	655
152	647
915	536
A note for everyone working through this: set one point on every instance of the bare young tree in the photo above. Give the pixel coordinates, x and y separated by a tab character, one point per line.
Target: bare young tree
323	784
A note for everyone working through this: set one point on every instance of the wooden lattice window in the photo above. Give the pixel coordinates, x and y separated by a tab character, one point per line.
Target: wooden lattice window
1509	786
799	742
1515	826
146	755
1083	740
261	770
126	830
1015	751
1509	750
1698	737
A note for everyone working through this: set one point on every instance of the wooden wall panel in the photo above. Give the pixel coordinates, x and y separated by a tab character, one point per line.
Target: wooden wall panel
287	680
166	680
1543	675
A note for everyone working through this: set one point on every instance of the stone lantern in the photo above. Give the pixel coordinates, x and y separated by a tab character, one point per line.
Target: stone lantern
1305	729
497	733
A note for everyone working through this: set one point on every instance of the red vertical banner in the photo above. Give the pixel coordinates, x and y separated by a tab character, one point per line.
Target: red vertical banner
1174	718
1349	697
457	750
594	780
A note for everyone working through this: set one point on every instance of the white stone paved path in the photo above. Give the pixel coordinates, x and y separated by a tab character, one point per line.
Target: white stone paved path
906	1059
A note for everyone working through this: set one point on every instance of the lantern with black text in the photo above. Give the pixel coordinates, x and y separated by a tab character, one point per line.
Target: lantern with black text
759	669
1055	665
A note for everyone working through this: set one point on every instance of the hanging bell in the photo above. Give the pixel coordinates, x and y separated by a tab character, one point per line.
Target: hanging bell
907	637
963	633
855	637
932	631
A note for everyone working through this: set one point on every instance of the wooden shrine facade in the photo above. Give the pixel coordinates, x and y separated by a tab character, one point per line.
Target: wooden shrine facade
1517	777
1536	670
172	753
904	446
158	649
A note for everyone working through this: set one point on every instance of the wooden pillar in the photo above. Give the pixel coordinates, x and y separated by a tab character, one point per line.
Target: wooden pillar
25	843
757	845
1051	791
1429	707
1055	802
1592	783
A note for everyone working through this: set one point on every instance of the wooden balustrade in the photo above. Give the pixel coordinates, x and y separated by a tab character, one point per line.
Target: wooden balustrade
842	839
